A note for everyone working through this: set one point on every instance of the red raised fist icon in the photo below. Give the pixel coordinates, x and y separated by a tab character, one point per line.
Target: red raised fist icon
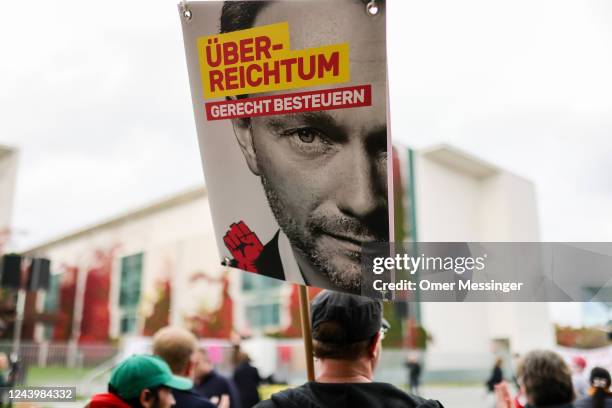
244	245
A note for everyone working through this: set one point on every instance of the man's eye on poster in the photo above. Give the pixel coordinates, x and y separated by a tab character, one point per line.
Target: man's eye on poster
290	102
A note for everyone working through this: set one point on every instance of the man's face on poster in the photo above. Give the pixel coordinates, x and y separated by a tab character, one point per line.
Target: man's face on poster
325	173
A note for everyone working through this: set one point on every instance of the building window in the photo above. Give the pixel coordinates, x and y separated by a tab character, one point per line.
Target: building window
263	316
52	294
51	304
128	321
252	282
261	298
129	292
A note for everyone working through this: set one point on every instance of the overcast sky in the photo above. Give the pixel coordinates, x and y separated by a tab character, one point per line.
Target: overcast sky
96	97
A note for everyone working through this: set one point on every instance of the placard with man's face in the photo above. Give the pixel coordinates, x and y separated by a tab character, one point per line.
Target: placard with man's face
290	101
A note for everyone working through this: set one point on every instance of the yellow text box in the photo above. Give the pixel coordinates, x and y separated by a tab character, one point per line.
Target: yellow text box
259	60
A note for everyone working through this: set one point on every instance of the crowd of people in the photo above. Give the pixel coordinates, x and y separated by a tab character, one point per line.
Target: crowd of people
347	331
179	373
544	379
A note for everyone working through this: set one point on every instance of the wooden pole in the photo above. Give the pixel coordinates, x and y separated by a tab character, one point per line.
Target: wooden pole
306	331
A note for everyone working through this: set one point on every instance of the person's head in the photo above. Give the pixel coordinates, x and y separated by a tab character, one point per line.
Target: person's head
242	357
176	346
347	328
499	362
545	379
600	386
146	381
600	378
324	173
154	397
203	365
578	364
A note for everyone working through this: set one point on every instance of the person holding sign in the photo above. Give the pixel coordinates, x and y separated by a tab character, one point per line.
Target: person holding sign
347	331
324	172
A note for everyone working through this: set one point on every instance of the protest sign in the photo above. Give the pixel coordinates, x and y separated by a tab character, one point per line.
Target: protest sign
290	104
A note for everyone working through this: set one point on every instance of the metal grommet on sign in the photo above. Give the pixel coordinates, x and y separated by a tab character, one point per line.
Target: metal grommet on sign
226	261
185	12
372	8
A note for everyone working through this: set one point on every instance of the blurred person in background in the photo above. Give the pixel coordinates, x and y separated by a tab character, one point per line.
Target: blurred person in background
141	381
414	374
545	380
177	347
211	384
579	380
347	331
247	380
599	393
497	375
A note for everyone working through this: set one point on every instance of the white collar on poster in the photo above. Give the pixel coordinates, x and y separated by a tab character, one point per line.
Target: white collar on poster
290	266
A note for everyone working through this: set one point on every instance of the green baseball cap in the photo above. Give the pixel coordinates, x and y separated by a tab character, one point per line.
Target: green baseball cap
139	372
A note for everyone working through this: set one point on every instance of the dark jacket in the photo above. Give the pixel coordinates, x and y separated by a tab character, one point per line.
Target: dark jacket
215	385
497	376
588	402
414	371
190	399
269	262
246	378
353	395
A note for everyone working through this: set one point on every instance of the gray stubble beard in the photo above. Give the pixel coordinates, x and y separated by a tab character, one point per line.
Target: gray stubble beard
346	280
